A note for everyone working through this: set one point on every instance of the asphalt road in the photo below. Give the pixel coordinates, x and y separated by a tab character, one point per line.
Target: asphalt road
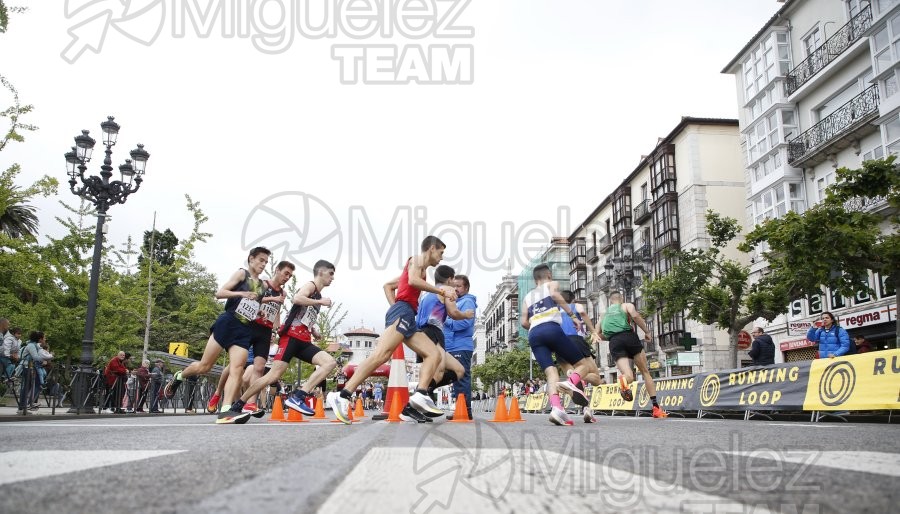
620	464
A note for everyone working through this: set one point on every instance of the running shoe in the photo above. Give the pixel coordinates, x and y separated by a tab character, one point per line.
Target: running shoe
575	391
589	415
559	417
411	414
299	405
425	405
254	411
172	386
659	413
213	404
625	390
339	406
229	417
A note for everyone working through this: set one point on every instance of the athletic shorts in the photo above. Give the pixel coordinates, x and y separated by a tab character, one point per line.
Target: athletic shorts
548	338
290	347
435	334
625	344
260	339
583	347
406	314
229	331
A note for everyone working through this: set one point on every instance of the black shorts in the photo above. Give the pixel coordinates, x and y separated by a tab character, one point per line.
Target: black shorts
435	334
625	344
583	346
290	347
260	340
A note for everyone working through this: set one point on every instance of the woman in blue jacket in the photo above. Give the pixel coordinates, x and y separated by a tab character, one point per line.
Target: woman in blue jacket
833	340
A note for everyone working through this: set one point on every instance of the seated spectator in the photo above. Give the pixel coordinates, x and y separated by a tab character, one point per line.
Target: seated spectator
862	345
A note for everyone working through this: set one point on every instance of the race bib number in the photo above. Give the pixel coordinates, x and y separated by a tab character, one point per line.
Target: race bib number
269	312
309	317
247	309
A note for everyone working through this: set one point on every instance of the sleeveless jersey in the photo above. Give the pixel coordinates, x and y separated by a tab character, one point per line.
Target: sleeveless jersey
542	308
569	327
432	311
268	312
405	292
301	318
245	309
615	321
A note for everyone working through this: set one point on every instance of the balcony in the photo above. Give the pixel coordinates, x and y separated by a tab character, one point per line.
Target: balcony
849	123
604	244
592	255
828	51
602	282
642	212
866	204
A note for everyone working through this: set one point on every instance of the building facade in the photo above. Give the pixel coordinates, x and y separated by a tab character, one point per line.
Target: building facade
500	317
360	342
662	205
555	255
817	90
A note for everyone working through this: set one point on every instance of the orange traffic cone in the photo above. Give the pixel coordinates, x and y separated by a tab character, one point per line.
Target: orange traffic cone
277	410
461	413
320	409
514	414
500	414
397	383
294	416
359	413
396	408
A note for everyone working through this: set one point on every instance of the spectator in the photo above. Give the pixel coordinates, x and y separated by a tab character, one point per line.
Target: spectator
458	339
143	378
378	392
28	363
833	339
763	350
862	345
9	348
128	400
157	374
115	374
190	393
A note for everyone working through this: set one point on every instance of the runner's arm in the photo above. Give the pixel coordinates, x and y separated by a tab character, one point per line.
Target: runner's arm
390	290
636	316
454	312
226	292
302	296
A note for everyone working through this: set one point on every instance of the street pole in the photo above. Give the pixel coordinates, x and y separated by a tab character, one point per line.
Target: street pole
85	371
149	289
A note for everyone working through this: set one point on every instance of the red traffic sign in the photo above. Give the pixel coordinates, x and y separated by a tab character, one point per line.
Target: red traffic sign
744	340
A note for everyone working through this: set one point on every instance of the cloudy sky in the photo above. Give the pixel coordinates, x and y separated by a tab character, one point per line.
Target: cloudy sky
283	144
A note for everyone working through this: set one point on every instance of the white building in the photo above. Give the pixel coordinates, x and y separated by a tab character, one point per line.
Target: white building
361	341
500	317
817	89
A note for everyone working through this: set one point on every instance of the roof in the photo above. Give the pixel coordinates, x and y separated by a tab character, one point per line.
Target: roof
760	32
645	160
361	331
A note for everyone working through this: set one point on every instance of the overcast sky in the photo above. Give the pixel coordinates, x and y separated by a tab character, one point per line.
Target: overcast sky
564	100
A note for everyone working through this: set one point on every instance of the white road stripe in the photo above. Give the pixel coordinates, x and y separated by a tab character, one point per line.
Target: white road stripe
48	424
878	463
17	466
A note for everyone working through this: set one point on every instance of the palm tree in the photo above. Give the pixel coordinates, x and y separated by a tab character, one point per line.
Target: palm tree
18	219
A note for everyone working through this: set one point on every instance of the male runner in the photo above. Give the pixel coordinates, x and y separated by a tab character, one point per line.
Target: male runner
433	311
400	323
231	331
296	341
541	316
624	344
577	337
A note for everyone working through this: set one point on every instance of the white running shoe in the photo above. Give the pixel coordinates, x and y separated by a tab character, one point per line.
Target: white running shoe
425	405
575	392
559	417
339	406
589	415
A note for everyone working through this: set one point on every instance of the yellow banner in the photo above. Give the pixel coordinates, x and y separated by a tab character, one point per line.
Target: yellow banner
180	349
866	381
607	397
534	401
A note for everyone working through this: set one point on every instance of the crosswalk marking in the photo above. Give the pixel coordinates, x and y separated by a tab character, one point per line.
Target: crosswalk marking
878	463
20	465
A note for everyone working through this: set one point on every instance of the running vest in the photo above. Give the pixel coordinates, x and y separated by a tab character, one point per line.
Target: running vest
569	327
301	318
432	311
245	309
405	292
615	321
542	308
268	312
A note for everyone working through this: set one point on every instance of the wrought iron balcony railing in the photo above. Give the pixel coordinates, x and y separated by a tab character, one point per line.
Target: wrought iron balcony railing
829	50
604	244
591	254
642	212
848	117
865	204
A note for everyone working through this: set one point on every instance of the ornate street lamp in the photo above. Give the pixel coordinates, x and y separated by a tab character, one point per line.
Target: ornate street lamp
103	193
621	270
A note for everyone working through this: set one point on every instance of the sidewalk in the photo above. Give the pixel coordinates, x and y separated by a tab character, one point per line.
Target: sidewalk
10	413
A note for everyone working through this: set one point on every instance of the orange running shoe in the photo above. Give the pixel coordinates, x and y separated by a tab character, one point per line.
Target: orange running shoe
659	413
624	390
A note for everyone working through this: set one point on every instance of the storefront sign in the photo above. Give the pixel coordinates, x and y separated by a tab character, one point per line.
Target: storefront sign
866	318
795	344
688	358
798	328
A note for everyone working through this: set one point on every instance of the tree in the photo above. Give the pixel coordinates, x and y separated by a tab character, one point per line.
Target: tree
712	289
507	367
4	14
836	242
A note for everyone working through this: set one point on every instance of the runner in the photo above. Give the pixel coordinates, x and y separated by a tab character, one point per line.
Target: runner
624	344
400	323
231	331
541	316
296	341
433	311
592	376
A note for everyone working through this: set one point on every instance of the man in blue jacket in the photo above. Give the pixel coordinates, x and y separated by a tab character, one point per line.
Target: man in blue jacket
458	339
834	341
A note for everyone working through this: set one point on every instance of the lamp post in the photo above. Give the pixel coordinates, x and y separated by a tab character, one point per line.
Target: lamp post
103	193
621	270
